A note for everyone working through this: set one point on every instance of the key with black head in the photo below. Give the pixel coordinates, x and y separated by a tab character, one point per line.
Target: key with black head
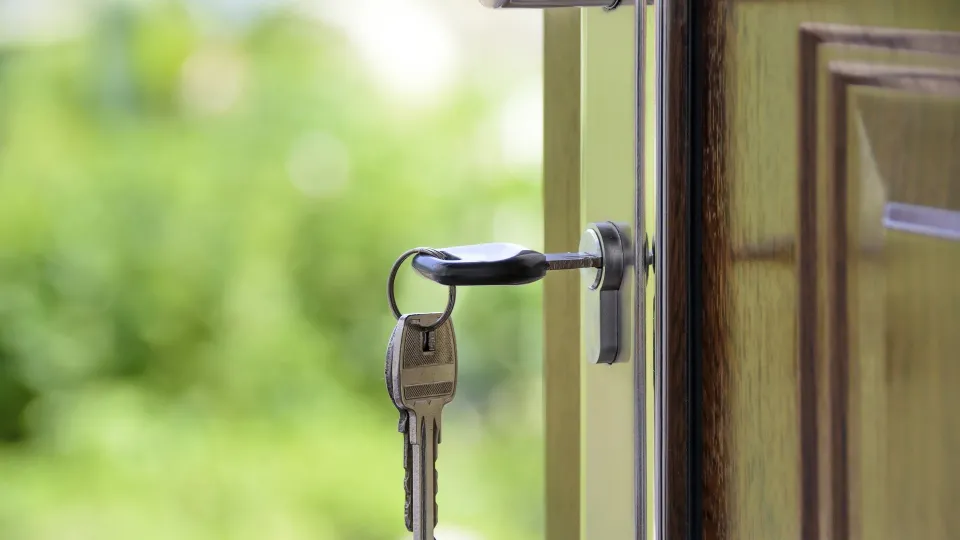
423	377
498	264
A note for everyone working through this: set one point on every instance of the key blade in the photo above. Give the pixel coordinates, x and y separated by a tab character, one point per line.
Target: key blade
407	480
573	261
424	446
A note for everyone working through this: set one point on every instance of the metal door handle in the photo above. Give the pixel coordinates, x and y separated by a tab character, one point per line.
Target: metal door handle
610	4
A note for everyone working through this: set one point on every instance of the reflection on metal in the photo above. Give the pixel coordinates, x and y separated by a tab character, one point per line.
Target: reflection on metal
614	4
608	5
641	268
923	220
663	33
813	38
590	244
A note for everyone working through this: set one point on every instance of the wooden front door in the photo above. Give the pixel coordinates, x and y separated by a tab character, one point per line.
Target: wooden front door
808	269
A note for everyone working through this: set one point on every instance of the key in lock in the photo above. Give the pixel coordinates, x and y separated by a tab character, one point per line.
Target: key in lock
604	254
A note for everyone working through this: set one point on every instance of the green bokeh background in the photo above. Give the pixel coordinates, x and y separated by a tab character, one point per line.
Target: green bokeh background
191	344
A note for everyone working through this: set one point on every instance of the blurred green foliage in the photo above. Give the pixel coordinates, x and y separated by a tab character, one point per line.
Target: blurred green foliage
191	344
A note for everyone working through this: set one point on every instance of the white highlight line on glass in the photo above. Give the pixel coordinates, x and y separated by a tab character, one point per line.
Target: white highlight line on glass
924	220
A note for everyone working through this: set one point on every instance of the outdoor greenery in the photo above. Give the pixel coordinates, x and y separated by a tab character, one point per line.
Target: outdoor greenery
195	232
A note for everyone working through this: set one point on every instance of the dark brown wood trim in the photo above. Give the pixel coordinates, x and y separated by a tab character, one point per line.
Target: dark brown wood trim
807	330
715	258
674	251
697	410
838	365
812	37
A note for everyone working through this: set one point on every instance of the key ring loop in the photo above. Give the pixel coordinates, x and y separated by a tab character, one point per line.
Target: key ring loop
391	297
613	5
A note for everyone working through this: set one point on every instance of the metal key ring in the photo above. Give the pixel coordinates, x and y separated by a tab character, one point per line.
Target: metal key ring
393	277
613	5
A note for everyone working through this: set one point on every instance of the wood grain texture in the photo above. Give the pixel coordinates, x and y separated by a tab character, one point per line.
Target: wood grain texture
813	331
779	418
715	259
847	521
561	299
733	211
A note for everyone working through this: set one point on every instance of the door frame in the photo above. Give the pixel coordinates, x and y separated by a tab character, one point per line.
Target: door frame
561	295
586	496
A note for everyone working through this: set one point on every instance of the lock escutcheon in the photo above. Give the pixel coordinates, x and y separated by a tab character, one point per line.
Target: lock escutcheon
601	300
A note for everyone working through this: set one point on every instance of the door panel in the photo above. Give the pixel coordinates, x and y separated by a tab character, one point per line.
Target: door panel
809	315
895	302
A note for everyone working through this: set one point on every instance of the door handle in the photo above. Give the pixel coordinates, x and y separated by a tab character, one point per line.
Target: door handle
609	4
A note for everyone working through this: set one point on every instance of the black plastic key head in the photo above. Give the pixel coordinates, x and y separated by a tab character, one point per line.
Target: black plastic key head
484	264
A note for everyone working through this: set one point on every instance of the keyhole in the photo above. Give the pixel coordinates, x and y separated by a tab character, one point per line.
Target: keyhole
429	341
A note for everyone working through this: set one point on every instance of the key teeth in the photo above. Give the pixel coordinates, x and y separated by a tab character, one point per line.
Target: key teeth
408	483
408	507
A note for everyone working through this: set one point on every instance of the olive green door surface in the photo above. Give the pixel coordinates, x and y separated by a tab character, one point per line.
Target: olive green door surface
813	195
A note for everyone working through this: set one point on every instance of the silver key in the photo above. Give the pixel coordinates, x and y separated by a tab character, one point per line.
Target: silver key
424	379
